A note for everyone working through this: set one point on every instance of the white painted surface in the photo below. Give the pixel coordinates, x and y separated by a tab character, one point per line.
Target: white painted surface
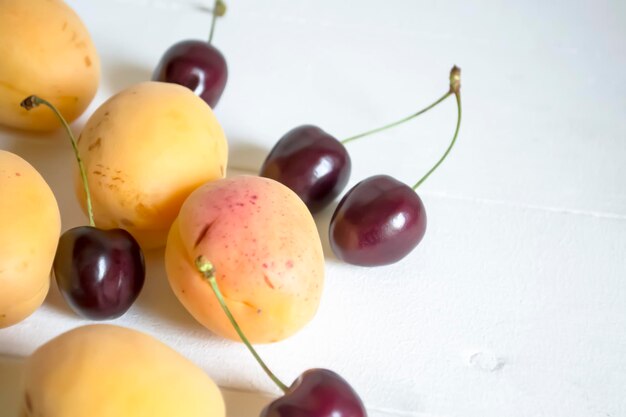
515	302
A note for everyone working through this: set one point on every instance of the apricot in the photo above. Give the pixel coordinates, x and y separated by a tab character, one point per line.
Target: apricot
46	50
266	251
145	150
104	370
30	224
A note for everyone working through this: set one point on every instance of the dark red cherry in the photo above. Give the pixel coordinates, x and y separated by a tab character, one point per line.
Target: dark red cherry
196	65
378	222
99	272
317	393
314	164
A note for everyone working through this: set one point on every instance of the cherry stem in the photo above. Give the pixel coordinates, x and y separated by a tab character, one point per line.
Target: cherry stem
34	101
398	122
208	272
219	8
455	88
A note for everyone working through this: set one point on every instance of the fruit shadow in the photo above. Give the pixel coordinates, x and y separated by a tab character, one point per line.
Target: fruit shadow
26	142
56	302
120	74
35	147
245	157
157	298
244	403
322	221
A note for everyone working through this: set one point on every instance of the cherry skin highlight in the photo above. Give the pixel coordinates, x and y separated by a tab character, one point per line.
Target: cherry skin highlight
378	222
317	393
99	272
312	163
196	65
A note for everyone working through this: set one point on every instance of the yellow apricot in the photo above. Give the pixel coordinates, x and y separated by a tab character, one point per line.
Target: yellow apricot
46	50
145	150
266	251
30	225
104	370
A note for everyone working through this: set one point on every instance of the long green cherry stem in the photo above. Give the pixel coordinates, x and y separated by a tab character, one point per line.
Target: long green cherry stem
397	122
455	88
34	101
219	8
208	272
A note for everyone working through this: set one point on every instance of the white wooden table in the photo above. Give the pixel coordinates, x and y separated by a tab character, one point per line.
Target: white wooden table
514	304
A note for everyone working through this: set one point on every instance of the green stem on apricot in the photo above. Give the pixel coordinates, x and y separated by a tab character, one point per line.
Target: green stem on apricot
208	272
34	101
398	122
219	8
455	88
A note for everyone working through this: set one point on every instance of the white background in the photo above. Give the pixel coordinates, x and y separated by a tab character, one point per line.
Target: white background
514	304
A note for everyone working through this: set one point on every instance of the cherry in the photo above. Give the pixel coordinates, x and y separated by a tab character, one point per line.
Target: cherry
377	222
314	164
196	64
99	272
381	220
315	393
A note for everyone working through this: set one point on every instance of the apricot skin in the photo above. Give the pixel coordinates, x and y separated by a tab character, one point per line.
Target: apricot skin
145	150
266	251
104	370
46	50
30	224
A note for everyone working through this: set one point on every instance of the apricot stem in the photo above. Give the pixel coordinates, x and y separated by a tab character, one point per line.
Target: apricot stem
398	122
34	101
219	8
455	88
208	272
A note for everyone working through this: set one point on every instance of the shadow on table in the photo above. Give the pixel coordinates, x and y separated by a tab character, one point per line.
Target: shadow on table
158	300
120	75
